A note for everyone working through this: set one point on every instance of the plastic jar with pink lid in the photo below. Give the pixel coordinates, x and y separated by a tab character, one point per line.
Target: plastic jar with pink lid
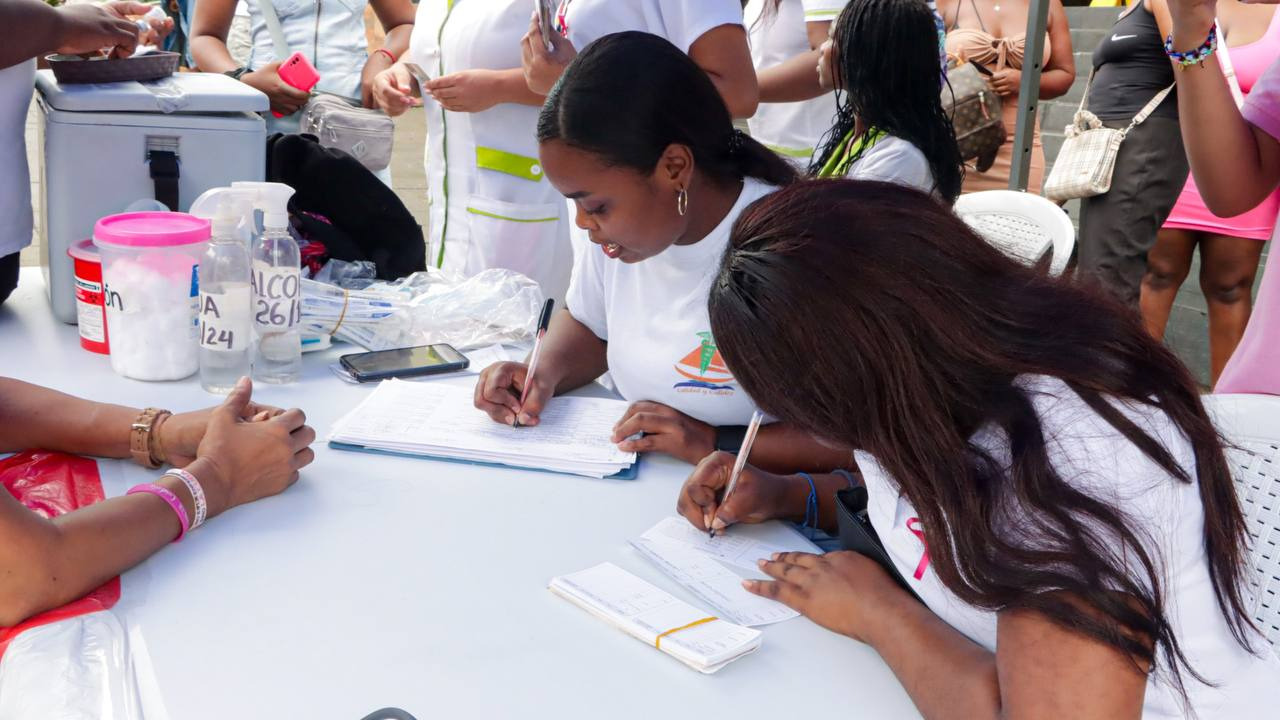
150	288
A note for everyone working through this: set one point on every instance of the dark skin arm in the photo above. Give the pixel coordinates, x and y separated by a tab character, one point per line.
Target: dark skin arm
573	356
796	79
1236	164
1039	670
396	17
239	456
72	30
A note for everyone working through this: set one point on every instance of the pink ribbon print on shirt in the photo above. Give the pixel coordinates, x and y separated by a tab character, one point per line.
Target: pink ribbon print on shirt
914	526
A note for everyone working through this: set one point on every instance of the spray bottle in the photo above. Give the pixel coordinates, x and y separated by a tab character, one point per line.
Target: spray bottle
226	296
277	289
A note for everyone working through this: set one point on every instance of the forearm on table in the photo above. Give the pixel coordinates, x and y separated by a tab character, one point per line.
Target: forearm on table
1223	148
947	675
41	30
780	447
48	563
34	417
793	80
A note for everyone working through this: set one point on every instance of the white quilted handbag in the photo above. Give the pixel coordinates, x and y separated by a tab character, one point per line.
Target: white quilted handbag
1088	155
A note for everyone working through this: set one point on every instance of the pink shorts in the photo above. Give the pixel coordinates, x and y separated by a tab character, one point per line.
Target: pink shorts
1191	214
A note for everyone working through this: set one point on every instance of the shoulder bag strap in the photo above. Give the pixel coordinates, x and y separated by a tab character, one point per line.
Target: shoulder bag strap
1224	59
1145	112
276	30
1084	99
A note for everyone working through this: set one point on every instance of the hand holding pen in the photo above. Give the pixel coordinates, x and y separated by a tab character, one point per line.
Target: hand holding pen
509	391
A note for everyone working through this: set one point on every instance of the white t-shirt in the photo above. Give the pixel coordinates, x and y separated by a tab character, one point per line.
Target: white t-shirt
1087	451
892	159
790	129
654	316
680	21
17	82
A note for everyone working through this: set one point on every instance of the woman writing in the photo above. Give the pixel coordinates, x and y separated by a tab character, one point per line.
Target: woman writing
233	454
890	124
1041	472
656	184
490	203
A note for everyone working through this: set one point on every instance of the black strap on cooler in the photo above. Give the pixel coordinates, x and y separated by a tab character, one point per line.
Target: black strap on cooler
164	173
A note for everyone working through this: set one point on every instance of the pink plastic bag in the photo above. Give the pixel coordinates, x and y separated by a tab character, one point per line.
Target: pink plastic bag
53	484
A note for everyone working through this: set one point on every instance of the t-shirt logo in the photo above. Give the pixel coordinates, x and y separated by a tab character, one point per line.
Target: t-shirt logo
704	370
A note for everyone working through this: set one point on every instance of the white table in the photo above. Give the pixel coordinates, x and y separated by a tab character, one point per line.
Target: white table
381	581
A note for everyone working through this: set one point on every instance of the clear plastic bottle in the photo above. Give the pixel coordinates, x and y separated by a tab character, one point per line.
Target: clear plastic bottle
277	290
226	338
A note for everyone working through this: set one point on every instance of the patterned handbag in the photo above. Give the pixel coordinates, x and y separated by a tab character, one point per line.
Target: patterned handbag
975	111
1088	155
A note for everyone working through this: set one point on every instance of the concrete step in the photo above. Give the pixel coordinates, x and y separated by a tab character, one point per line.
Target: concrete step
1052	144
1086	18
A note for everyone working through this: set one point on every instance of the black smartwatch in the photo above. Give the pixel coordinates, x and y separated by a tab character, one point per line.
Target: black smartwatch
729	437
237	73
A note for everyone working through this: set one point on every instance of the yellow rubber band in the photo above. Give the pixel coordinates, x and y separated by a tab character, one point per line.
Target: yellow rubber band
346	300
657	642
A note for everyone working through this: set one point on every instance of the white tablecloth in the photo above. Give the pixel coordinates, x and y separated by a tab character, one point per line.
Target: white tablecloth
381	581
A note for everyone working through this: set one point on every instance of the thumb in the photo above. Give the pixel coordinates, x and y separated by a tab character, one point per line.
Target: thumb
237	401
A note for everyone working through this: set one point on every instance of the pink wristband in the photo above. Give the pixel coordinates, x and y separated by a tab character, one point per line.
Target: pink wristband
168	497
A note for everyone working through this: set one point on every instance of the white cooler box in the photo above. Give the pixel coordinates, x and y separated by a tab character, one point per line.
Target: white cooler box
107	146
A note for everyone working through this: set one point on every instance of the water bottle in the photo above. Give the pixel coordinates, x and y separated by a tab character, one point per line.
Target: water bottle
226	297
277	291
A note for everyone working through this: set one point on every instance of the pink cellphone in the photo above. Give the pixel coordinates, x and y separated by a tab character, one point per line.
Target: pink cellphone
297	71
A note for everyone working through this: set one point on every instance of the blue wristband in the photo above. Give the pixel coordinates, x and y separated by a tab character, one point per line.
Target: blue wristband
811	503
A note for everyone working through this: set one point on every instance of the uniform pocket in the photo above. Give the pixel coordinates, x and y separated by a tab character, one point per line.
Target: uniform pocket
520	237
290	8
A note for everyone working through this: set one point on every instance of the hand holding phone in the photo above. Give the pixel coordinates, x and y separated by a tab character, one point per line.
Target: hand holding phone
297	72
545	23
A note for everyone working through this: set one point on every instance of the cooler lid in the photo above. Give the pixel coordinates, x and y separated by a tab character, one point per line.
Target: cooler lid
179	93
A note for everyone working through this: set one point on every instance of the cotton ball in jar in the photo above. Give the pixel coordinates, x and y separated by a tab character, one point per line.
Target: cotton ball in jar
150	318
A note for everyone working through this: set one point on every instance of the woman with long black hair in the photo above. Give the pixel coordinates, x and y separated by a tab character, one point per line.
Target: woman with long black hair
890	125
656	184
1041	472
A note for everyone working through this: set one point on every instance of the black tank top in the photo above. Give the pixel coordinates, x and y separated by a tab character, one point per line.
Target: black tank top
1130	67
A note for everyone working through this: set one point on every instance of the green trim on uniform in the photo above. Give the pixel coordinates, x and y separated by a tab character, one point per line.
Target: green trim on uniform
801	153
820	15
850	147
495	216
444	139
525	168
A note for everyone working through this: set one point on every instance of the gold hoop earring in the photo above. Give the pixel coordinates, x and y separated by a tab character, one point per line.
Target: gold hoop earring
682	201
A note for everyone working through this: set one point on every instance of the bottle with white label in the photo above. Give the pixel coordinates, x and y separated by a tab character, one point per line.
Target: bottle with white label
277	290
226	339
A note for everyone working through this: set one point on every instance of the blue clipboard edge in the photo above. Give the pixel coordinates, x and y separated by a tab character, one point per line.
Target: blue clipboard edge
630	473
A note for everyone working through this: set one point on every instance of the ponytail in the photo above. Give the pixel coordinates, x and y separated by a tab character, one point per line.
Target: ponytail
630	95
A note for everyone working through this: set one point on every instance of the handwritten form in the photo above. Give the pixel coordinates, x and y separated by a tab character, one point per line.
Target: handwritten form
713	568
435	420
646	612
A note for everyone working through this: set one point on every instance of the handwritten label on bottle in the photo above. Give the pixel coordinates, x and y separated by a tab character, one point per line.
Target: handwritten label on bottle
224	319
277	298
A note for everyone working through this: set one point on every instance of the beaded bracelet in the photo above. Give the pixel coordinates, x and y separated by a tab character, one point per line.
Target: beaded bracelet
197	495
171	500
1193	57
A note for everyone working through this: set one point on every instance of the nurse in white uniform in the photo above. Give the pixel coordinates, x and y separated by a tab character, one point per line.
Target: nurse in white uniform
657	184
786	37
490	205
708	31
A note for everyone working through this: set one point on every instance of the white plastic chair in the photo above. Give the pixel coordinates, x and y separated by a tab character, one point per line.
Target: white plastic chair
1022	225
1252	424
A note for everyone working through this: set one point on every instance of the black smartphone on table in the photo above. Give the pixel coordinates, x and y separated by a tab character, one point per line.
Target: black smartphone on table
404	362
